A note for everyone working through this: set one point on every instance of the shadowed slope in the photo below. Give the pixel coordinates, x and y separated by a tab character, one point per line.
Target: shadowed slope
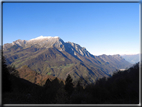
53	56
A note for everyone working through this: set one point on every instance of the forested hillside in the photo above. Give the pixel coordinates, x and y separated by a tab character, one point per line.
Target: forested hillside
121	88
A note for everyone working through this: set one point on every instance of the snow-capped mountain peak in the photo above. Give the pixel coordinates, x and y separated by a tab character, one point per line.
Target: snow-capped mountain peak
44	37
51	42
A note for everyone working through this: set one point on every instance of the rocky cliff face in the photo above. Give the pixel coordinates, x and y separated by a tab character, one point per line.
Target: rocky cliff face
53	56
50	42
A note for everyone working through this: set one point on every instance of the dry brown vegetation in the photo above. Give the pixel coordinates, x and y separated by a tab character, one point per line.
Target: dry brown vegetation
121	88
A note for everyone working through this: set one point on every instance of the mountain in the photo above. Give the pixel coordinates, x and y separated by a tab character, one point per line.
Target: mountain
52	56
115	60
132	58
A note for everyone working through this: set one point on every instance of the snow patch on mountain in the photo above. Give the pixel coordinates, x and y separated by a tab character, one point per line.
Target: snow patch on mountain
48	42
44	37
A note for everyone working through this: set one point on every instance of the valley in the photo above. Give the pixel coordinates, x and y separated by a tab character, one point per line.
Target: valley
47	70
134	58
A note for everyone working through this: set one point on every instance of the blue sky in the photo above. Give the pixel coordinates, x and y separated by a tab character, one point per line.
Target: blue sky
103	28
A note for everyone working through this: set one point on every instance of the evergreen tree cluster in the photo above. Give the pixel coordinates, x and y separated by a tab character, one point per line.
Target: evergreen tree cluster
121	88
6	84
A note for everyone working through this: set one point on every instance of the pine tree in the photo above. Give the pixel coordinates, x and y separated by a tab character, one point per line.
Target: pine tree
69	85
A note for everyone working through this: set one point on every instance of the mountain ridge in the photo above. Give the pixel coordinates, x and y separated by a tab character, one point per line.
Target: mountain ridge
47	42
132	58
53	56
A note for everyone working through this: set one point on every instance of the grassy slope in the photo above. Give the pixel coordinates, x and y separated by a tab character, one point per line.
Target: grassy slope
59	63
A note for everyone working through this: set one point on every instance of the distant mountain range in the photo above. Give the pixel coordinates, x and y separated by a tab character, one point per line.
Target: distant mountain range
52	56
132	58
